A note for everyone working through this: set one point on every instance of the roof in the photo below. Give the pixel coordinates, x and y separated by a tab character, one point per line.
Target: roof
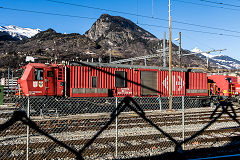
36	64
73	63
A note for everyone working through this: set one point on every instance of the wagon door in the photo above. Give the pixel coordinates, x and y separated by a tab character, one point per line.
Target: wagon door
49	82
149	80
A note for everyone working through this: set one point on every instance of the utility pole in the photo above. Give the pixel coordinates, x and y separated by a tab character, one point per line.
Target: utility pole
164	49
180	58
170	58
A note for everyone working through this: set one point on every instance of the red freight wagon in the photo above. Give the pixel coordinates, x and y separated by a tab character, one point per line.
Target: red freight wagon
197	84
105	80
178	83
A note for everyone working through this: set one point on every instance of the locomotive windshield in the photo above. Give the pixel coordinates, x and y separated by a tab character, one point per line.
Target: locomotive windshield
21	71
38	74
229	80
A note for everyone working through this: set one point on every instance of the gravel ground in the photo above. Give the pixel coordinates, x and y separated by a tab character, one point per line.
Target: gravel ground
135	131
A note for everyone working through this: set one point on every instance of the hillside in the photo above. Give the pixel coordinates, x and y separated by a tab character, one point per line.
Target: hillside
45	46
109	34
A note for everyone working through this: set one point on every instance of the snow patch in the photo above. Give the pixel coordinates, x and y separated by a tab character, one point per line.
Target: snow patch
90	53
149	38
18	32
220	59
197	50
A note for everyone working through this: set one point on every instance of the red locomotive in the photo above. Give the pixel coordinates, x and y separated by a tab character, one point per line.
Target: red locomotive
224	86
106	80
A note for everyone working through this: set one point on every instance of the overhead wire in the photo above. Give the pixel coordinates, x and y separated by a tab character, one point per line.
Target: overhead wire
220	34
92	18
48	13
198	42
220	3
143	16
206	5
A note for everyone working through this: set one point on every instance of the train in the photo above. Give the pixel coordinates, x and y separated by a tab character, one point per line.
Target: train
88	79
224	86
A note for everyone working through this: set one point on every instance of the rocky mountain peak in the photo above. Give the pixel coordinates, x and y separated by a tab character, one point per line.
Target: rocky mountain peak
113	31
118	23
48	34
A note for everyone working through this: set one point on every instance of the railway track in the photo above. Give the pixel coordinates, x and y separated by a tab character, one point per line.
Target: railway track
78	123
123	144
47	147
88	105
135	135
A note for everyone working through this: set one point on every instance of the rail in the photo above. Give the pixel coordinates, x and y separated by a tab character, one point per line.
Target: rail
124	112
132	105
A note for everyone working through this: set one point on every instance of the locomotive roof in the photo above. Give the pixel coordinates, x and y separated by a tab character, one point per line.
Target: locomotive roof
96	64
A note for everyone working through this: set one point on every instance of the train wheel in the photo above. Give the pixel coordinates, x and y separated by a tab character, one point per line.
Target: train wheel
206	102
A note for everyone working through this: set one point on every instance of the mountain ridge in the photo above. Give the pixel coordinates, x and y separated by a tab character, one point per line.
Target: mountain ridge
220	60
113	35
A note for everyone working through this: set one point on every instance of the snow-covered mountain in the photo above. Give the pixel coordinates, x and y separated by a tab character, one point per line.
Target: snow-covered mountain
18	32
220	60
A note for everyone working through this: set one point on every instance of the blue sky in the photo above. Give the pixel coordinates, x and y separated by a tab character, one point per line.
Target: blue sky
187	11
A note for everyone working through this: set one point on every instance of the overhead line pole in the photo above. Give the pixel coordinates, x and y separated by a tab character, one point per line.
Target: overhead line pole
164	49
193	53
180	56
138	58
170	59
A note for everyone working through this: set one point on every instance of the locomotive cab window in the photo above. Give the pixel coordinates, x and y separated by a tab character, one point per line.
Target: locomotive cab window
120	79
94	82
229	80
38	74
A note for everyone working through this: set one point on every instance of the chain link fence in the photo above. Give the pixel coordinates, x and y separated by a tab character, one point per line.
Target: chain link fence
111	128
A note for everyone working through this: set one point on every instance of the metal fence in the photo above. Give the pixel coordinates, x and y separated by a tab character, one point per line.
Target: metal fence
112	128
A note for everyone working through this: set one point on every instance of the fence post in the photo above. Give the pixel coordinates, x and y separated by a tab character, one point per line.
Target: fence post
28	111
56	113
41	113
183	120
116	125
160	103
